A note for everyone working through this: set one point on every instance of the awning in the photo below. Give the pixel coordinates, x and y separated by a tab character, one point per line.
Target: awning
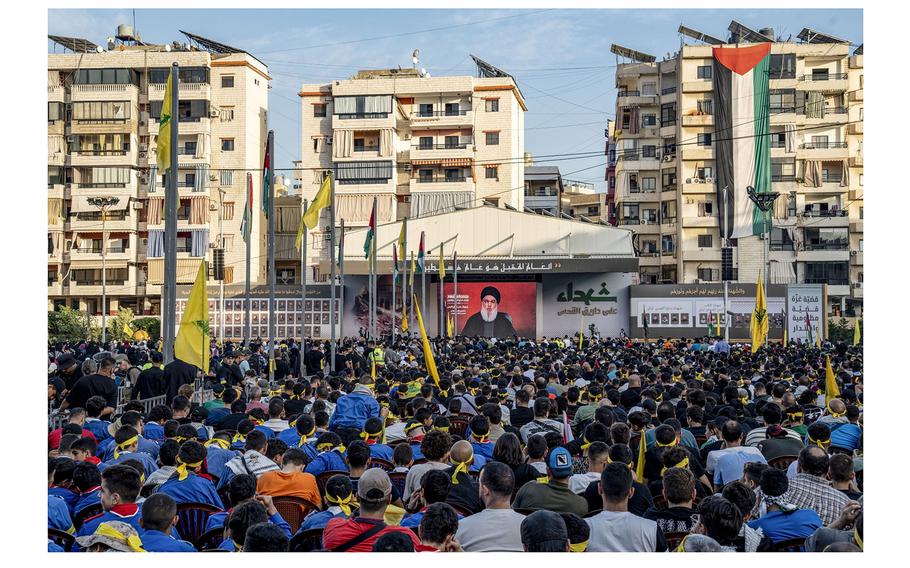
96	264
456	162
81	204
427	162
187	268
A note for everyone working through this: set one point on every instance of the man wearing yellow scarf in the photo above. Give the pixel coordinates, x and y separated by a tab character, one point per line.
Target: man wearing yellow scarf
126	447
463	493
186	486
112	536
339	496
120	486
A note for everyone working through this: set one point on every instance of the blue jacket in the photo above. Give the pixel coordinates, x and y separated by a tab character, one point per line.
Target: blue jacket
292	438
123	516
106	448
779	526
327	461
157	541
269	433
847	436
69	497
485	450
353	410
58	515
382	452
319	519
87	500
154	432
216	457
53	546
193	489
275	519
148	462
98	428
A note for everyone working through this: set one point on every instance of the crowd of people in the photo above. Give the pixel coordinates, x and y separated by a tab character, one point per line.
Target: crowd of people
521	445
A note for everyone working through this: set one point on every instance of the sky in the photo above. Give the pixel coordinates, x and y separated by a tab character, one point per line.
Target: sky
560	58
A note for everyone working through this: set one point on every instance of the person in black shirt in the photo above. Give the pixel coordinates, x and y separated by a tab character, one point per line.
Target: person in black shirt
508	451
521	414
176	374
679	492
69	370
314	360
100	384
229	374
151	381
681	457
641	499
464	492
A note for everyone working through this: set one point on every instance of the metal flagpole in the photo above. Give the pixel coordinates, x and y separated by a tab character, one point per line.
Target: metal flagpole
455	303
411	295
375	244
271	211
341	283
249	237
404	273
726	243
171	203
442	306
332	310
423	286
221	283
303	206
394	285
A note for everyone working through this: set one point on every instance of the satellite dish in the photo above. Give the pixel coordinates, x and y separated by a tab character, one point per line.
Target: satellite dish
423	72
415	57
167	47
99	49
427	75
416	53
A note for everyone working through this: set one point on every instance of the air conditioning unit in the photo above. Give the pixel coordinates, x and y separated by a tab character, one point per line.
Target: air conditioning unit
688	180
137	205
213	245
214	113
406	167
403	137
143	154
143	179
213	207
643	222
668	158
708	180
696	281
852	253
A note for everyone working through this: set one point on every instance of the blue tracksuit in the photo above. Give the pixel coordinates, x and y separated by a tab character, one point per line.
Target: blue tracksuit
154	432
292	438
381	451
98	428
483	449
148	462
69	497
352	410
157	541
193	489
217	457
58	515
127	513
327	461
319	519
106	448
269	433
87	500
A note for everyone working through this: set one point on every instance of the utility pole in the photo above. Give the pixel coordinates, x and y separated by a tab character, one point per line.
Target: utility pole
303	207
332	310
171	203
726	243
271	211
249	237
103	203
221	245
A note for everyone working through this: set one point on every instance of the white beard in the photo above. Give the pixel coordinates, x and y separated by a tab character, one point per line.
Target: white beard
489	315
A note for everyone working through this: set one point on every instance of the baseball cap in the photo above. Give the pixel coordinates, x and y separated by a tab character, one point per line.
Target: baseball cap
374	485
65	361
560	462
543	527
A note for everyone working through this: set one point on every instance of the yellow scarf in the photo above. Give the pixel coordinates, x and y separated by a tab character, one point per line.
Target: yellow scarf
304	438
125	445
133	541
480	439
275	392
223	444
682	545
794	415
684	463
832	413
670	445
238	437
630	464
460	467
578	547
181	439
327	447
182	469
823	444
256	421
744	400
344	503
543	479
366	436
585	444
858	539
441	428
412	426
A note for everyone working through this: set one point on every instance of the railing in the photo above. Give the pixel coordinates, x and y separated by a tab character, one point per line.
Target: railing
783	177
449	146
431	113
841	246
186	151
831	110
828	213
100	152
669	187
111	88
778	143
782	75
781	109
830	179
362	115
100	120
441	179
668	122
668	91
823	146
828	281
366	148
780	246
668	221
824	77
628	94
101	185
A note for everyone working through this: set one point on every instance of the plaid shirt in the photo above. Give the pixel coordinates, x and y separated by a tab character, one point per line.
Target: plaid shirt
811	492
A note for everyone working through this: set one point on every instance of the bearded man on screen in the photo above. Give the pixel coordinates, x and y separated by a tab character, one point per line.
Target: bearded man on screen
489	321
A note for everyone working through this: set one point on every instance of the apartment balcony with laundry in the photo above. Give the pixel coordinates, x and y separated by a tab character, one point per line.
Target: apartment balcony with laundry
431	113
822	79
429	145
192	212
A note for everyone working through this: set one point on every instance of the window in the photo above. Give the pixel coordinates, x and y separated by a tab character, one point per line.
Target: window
363	106
832	273
425	143
159	75
319	145
492	105
831	172
319	110
649	120
227	177
668	114
492	138
649	184
492	172
860	212
783	169
187	111
782	100
861	245
630	212
54	111
705	241
648	89
860	180
227	81
189	181
704	139
649	151
633	183
189	148
820	74
227	114
425	176
228	210
826	238
105	112
668	179
704	173
706	209
106	77
451	142
704	72
228	243
819	142
782	66
709	274
706	106
593	210
359	144
666	244
378	172
452	109
425	110
453	174
778	140
780	239
227	144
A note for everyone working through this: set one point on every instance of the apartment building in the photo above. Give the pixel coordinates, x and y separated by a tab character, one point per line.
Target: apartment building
103	111
543	189
663	172
421	145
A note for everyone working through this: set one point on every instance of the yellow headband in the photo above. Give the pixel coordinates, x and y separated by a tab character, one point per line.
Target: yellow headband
133	541
462	467
412	426
441	428
820	443
125	445
630	464
481	439
586	444
366	436
223	444
578	547
256	421
238	437
303	438
344	503
669	445
182	469
683	464
329	446
832	413
794	415
744	400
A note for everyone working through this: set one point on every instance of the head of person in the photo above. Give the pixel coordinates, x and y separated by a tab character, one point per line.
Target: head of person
190	458
578	530
598	456
731	432
339	491
120	485
86	477
679	487
544	531
403	456
699	543
813	460
159	513
374	491
241	488
372	430
83	449
496	483
393	542
541	407
819	434
126	439
265	537
774	485
256	441
559	464
112	536
840	469
358	455
616	484
742	496
276	408
435	445
294	459
752	474
489	303
243	517
508	450
719	519
438	525
94	406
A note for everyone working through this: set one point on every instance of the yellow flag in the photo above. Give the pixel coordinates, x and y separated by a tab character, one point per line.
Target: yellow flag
784	342
759	324
404	316
373	369
192	342
413	270
581	333
450	326
856	333
818	337
401	236
831	390
640	464
442	263
163	153
127	330
427	352
310	217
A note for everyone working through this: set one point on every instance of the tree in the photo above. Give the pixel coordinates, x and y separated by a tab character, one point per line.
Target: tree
69	325
840	331
152	326
123	318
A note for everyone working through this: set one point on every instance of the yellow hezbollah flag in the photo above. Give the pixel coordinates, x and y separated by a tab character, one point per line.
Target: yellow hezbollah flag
163	153
831	390
784	342
427	352
404	316
449	326
442	264
581	333
310	217
640	464
401	236
127	330
759	324
856	333
192	343
413	270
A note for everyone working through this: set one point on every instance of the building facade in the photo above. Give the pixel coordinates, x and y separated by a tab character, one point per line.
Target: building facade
664	169
103	113
543	189
421	145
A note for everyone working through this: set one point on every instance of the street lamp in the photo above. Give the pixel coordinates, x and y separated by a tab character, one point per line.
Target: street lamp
103	203
765	202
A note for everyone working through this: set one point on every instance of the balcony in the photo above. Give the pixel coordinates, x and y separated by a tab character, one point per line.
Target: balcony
691	219
102	189
186	157
784	183
188	91
856	289
634	160
823	151
442	151
541	201
698	120
856	96
55	288
640	195
640	226
702	254
697	185
439	118
832	114
838	218
186	125
837	289
94	254
56	191
55	94
441	183
824	252
106	158
635	98
94	225
696	152
104	92
668	91
856	194
826	83
366	121
700	86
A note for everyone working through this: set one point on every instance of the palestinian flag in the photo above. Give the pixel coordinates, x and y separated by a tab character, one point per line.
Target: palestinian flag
421	252
247	223
266	188
371	230
742	133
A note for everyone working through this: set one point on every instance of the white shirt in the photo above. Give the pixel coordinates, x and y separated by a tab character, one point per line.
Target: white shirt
579	482
491	530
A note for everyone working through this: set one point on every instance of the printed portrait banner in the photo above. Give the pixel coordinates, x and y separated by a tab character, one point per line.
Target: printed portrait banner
515	312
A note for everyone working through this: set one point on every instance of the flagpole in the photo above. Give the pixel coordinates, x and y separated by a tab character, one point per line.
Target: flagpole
341	281
249	237
332	274
442	307
394	286
271	212
303	206
404	273
412	294
171	203
376	333
455	303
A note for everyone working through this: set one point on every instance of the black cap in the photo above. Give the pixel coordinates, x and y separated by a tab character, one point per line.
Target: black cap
490	291
65	361
541	527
